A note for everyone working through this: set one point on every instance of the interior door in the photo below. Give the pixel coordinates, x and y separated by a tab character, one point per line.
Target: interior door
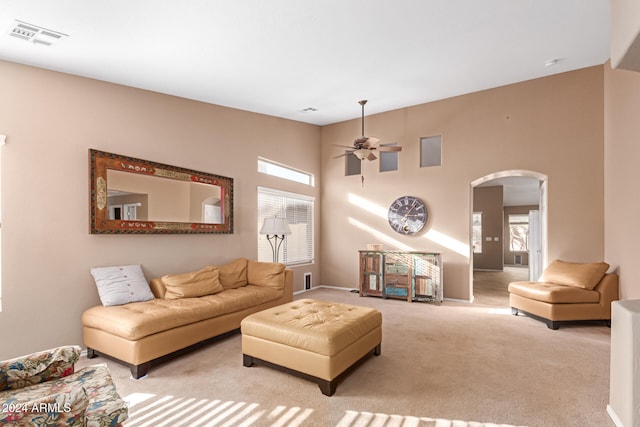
535	259
538	258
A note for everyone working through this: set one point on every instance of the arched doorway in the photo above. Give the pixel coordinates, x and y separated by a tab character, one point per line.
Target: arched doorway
516	190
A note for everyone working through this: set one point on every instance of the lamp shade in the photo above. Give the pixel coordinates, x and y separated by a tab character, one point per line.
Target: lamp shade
275	226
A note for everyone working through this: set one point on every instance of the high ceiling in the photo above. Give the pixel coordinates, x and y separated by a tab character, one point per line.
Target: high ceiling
281	57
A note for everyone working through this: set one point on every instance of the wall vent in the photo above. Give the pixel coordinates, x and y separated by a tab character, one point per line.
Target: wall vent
35	34
517	259
307	281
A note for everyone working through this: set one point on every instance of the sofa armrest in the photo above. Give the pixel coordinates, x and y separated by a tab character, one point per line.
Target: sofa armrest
288	284
608	290
157	287
38	367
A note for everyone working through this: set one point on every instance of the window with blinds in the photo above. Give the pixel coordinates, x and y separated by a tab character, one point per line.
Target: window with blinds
297	247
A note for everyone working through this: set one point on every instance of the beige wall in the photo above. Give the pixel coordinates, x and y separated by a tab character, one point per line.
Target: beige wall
552	125
51	120
622	174
488	200
625	34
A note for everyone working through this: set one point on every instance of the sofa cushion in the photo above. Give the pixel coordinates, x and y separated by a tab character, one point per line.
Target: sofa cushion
195	284
581	275
234	274
140	319
265	274
553	293
121	284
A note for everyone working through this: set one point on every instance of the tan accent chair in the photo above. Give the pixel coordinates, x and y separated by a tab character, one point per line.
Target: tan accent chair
567	291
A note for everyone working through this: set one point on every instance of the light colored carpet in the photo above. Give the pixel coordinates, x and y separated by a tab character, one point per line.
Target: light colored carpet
453	365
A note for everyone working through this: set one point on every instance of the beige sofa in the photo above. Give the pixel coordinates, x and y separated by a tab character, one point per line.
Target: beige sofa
188	310
565	292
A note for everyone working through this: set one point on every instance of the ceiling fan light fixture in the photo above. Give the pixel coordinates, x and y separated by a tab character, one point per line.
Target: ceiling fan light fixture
361	154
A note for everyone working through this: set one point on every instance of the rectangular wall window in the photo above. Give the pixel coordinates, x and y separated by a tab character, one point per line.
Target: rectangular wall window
388	159
519	232
431	151
352	164
477	232
297	247
285	172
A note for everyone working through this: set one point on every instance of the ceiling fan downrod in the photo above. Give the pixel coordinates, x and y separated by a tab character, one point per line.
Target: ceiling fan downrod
364	101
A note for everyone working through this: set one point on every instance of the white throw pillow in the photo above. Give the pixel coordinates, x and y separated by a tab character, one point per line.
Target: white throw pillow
121	284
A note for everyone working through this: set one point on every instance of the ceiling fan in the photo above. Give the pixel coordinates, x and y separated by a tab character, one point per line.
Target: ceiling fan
365	146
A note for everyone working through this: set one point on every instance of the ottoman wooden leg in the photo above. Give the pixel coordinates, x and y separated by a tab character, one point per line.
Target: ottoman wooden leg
328	388
377	351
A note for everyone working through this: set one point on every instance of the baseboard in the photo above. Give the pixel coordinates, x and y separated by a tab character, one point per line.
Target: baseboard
339	288
466	301
614	417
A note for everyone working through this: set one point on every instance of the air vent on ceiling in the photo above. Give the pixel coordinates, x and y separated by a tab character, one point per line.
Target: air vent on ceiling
35	34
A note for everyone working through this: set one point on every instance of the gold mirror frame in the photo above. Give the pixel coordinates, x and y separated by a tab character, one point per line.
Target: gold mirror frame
100	162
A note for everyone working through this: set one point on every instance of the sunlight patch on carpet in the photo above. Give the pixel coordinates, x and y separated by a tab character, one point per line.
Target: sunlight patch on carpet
500	310
149	410
156	411
369	419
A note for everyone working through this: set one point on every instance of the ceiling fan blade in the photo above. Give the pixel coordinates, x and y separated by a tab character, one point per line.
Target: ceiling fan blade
342	155
371	156
344	146
389	148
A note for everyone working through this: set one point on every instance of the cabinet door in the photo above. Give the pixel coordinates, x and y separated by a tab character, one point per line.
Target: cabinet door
427	277
371	274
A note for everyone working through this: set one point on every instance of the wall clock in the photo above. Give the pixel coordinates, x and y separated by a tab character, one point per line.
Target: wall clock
407	215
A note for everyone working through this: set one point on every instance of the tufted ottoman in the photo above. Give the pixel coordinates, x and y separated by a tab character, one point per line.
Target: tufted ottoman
317	340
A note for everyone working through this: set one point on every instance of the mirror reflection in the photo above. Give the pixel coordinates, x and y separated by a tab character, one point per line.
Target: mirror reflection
145	198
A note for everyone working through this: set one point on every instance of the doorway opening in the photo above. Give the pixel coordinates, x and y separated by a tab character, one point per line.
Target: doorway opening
508	221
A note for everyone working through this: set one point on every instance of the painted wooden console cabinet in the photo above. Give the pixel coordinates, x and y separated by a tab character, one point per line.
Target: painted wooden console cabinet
413	276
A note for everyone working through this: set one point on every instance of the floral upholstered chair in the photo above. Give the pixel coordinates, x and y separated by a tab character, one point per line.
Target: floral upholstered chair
43	389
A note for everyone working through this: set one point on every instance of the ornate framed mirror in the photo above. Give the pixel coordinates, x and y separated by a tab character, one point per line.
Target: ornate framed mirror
129	195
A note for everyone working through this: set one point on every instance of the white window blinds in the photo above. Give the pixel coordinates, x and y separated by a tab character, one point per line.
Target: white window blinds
297	247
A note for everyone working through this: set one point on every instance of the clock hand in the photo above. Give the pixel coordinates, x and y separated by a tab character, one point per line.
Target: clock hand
413	205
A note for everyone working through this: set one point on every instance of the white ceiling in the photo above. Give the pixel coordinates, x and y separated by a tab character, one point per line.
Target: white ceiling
279	57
